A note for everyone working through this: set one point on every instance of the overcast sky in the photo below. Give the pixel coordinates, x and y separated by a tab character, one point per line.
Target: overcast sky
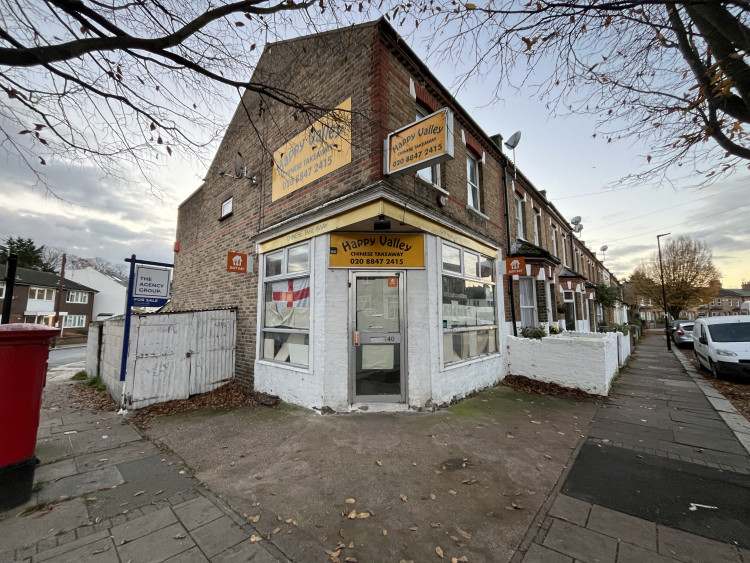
559	155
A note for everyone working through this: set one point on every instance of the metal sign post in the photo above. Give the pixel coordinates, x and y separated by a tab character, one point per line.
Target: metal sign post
147	287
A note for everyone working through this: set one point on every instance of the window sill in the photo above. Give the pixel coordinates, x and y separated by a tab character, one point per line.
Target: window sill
227	216
477	213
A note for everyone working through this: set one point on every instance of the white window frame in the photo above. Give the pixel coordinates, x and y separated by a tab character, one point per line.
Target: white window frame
227	207
77	296
554	241
289	276
44	291
2	290
519	217
491	328
430	174
532	308
564	251
537	227
473	191
74	321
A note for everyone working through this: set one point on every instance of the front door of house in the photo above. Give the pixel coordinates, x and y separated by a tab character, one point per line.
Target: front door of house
377	337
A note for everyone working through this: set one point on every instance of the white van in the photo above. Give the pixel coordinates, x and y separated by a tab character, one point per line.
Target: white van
722	344
745	308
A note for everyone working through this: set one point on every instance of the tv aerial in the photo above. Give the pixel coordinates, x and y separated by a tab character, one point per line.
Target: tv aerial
511	144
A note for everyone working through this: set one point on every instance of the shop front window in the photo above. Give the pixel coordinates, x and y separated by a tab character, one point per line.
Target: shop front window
286	318
469	325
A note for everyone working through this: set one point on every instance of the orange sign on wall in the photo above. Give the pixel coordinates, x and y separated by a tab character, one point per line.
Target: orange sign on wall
515	266
237	262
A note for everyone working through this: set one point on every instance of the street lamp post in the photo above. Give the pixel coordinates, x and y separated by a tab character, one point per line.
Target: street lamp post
663	290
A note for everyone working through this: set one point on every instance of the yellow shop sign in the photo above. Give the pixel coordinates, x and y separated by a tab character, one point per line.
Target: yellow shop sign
314	153
423	143
374	250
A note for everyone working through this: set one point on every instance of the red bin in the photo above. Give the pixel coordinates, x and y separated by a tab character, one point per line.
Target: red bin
23	369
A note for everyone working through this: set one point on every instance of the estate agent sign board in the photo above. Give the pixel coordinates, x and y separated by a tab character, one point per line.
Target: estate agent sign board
151	287
375	250
318	150
423	143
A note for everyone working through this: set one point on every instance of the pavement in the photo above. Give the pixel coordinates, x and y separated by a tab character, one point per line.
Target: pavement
656	472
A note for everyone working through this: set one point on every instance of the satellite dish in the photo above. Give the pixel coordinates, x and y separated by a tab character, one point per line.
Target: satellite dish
575	220
578	228
515	138
239	166
604	248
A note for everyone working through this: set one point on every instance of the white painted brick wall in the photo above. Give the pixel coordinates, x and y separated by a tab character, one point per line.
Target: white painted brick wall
586	361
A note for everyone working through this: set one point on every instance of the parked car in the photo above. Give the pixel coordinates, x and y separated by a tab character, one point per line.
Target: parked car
682	333
722	344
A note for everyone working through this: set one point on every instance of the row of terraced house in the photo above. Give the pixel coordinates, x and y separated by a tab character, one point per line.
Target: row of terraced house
364	249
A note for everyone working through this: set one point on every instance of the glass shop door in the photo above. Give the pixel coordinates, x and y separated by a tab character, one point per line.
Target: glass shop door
377	340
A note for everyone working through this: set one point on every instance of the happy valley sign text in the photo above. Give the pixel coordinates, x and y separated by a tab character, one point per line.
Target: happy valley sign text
318	150
374	250
423	143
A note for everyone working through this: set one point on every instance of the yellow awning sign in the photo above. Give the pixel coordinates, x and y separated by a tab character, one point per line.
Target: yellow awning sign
317	151
376	250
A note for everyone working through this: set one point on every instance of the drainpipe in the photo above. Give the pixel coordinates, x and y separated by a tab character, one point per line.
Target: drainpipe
511	295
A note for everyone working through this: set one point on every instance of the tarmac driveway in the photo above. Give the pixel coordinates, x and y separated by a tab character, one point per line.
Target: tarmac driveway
466	481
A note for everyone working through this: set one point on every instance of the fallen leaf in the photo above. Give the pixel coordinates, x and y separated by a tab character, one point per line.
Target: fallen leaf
352	515
432	496
179	536
461	559
402	497
452	492
414	463
276	531
363	515
414	528
102	550
454	538
350	501
535	422
605	441
139	493
378	463
463	534
439	551
548	456
351	545
385	532
350	560
435	524
254	519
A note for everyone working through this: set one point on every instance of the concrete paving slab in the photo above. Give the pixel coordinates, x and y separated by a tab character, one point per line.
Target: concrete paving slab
100	551
540	554
125	452
623	527
694	549
101	439
82	483
719	440
197	512
142	526
571	509
580	543
55	471
54	448
83	544
157	546
628	553
17	530
192	555
146	480
218	535
245	551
